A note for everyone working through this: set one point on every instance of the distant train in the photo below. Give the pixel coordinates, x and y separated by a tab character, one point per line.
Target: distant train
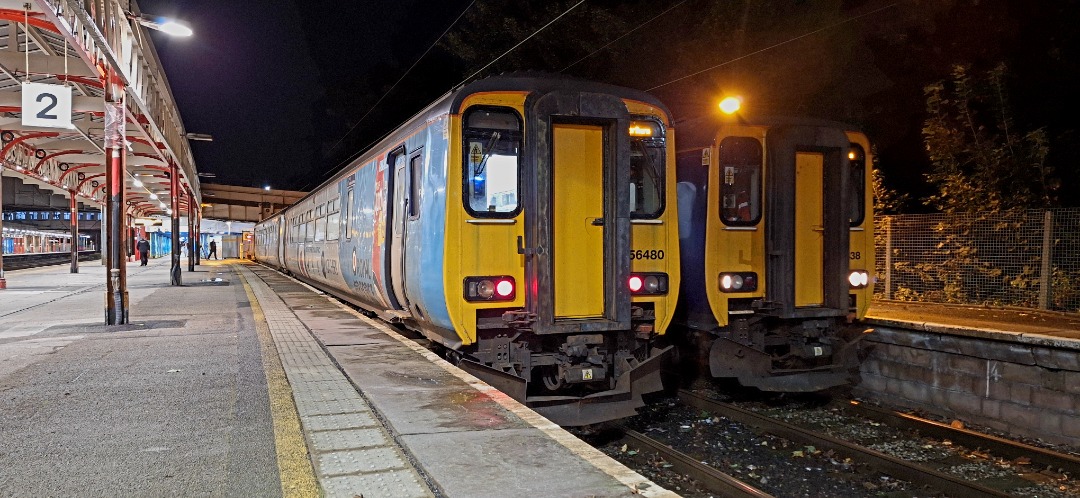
776	230
526	223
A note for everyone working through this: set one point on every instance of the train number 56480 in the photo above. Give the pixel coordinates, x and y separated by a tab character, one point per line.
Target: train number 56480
647	254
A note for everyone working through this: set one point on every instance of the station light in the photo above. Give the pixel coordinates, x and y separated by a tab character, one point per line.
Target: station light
731	105
165	25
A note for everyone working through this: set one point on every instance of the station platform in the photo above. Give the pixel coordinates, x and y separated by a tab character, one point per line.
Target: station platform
244	382
1012	324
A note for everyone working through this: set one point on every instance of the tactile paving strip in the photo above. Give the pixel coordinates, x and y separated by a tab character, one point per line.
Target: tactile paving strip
353	454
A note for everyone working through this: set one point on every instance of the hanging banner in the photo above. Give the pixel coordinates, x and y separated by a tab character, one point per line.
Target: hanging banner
46	106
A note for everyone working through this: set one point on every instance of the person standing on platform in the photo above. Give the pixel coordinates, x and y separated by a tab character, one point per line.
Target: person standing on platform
144	250
213	250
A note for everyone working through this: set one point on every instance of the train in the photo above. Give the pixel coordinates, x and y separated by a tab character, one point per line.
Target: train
776	232
525	224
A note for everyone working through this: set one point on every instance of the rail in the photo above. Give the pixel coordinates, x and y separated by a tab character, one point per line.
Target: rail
950	485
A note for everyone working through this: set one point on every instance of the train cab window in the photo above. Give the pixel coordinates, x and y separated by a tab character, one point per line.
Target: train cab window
857	181
740	181
492	139
647	155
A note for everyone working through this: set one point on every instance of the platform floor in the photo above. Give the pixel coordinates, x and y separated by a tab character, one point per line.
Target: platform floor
1020	325
244	382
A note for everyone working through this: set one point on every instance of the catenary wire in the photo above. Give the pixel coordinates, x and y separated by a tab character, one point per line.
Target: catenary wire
624	35
406	73
785	42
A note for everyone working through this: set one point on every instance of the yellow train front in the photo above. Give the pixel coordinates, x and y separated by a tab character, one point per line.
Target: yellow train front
526	223
776	232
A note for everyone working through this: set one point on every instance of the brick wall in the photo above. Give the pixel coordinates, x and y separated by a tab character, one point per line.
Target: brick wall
1023	384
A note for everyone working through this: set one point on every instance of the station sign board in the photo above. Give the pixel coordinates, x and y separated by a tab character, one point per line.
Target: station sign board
46	106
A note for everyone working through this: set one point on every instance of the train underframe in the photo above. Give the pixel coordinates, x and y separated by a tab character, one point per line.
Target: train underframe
572	379
771	354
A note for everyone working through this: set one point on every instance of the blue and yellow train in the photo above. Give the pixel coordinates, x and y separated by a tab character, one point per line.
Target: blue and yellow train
526	223
776	231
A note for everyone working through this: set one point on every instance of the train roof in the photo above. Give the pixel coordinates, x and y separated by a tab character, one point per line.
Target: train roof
450	103
701	132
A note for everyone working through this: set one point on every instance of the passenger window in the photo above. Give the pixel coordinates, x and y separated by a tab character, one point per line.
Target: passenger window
857	181
416	167
333	226
492	139
740	181
320	229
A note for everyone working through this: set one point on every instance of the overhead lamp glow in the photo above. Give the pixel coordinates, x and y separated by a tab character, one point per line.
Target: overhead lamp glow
266	187
136	182
153	196
731	105
168	26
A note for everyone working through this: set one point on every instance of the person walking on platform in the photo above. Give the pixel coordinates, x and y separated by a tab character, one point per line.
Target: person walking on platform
213	250
144	250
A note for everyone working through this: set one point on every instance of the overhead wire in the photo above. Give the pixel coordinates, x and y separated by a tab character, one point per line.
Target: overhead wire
624	35
493	61
785	42
527	38
403	75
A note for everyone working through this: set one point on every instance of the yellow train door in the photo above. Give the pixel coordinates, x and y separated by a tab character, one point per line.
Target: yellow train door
578	220
809	229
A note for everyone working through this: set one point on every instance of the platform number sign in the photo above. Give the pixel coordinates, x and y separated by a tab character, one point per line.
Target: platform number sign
46	106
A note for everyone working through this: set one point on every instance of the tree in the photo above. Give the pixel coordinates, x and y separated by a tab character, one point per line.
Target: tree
981	161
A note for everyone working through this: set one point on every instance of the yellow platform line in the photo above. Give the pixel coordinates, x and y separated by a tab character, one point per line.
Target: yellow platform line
294	465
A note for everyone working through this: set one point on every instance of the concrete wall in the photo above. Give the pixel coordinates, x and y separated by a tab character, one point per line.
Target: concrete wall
1024	384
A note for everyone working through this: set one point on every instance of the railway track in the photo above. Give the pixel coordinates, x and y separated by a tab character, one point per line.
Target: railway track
915	473
704	475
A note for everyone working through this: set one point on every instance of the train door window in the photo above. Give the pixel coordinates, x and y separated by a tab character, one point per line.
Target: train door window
740	181
348	210
647	153
491	149
857	181
416	168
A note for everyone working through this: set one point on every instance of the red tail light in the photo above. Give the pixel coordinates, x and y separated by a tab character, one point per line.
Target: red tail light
496	288
635	283
648	283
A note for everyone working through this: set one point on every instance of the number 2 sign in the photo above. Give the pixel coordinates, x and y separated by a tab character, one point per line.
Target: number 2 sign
47	106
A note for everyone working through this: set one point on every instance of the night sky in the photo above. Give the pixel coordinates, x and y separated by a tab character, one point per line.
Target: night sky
283	85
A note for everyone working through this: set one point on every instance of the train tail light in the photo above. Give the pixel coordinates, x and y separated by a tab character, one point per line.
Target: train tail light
738	282
648	284
858	279
498	288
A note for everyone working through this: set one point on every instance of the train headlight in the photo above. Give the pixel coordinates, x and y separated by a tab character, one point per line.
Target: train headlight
648	284
498	288
738	282
858	279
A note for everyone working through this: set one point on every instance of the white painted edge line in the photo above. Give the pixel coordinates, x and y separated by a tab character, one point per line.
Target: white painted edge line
636	482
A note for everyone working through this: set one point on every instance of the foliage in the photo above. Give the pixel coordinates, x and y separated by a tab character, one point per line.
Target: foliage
981	160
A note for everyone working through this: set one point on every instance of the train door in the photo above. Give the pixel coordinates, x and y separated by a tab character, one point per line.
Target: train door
809	230
807	221
578	212
577	222
399	208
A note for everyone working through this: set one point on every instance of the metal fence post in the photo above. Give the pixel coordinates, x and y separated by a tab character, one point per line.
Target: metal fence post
888	257
1045	277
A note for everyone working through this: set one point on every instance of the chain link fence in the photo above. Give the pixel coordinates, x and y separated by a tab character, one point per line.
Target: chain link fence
1029	260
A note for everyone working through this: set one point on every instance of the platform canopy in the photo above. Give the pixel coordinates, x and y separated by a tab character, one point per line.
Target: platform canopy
63	49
